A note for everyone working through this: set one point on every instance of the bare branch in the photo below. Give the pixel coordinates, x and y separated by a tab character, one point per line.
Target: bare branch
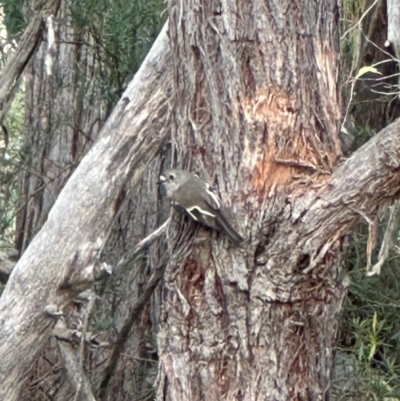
365	184
144	243
74	371
81	351
387	240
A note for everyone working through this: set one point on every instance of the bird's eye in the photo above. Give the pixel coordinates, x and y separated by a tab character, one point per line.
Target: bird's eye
171	177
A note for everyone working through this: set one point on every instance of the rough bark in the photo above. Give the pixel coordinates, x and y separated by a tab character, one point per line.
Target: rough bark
128	367
256	84
69	243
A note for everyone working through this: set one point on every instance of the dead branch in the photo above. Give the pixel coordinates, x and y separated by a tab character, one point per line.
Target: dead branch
74	371
366	183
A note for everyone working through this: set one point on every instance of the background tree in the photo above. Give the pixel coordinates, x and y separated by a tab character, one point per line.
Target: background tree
95	52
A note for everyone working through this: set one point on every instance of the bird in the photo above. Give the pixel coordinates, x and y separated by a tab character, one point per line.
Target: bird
187	190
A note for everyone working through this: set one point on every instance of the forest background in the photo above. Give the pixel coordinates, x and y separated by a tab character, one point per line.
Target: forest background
50	121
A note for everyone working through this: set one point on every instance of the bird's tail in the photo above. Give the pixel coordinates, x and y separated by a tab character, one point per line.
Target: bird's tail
225	226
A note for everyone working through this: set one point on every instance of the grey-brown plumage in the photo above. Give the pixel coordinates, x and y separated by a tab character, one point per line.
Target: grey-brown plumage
197	198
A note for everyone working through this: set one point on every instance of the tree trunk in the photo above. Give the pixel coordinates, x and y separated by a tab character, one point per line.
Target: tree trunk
393	34
256	86
10	77
59	130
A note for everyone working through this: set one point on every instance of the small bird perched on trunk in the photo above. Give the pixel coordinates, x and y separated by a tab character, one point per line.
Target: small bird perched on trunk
196	197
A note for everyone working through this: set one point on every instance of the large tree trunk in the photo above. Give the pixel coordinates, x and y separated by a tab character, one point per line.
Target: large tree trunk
256	85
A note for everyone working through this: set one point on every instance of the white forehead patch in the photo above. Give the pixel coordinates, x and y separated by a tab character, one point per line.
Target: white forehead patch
162	178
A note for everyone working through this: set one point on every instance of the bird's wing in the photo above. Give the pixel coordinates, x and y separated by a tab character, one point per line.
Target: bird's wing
211	198
203	216
224	224
193	210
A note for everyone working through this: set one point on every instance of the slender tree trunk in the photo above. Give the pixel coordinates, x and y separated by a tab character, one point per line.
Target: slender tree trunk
58	127
10	77
393	36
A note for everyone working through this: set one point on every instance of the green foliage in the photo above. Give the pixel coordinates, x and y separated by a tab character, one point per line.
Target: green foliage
123	32
13	19
370	328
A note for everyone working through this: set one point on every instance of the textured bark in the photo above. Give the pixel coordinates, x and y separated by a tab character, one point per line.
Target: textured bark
258	111
69	243
123	336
